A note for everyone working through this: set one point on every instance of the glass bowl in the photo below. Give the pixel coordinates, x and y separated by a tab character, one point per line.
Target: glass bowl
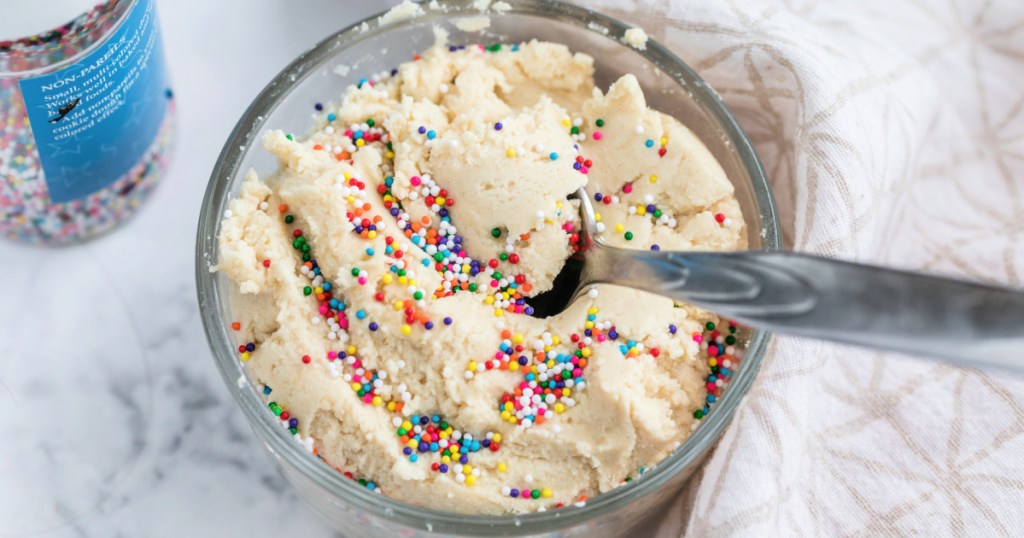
320	75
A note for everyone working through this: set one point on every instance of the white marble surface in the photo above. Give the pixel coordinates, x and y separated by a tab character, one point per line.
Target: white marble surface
114	420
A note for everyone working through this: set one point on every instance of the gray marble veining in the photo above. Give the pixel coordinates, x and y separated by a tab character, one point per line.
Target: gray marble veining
114	420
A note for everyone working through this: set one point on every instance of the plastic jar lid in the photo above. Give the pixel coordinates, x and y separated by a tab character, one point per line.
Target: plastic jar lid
24	19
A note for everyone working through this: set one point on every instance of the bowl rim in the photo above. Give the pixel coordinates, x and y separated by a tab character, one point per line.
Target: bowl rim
280	442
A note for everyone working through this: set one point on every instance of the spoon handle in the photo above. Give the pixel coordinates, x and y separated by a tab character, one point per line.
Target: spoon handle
864	305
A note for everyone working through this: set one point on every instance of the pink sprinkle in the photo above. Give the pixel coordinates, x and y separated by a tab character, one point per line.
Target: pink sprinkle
712	387
597	135
576	372
357	364
494	283
498	355
583	169
415	180
540	411
627	188
343	323
368	398
362	280
332	355
697	338
713	351
323	310
600	338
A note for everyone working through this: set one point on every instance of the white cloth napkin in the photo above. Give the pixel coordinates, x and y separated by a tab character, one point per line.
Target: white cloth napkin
892	132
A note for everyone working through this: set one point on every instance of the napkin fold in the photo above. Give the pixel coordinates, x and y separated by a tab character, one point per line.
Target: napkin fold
892	133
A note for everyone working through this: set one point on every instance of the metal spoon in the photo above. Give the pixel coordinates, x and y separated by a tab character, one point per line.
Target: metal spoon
803	295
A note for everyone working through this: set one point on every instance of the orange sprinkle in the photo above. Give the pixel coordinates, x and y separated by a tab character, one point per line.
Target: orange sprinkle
506	334
317	147
236	326
282	208
525	236
425	220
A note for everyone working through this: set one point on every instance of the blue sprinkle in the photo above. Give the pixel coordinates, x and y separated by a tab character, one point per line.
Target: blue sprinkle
361	314
331	117
431	135
553	156
447	321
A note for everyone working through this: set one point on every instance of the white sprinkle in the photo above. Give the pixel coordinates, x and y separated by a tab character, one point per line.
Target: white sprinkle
639	129
443	88
227	213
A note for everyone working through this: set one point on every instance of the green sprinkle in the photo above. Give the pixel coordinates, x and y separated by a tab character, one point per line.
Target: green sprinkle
472	286
288	219
503	256
307	290
535	494
574	130
418	295
629	236
289	137
657	213
730	340
698	414
496	232
710	325
599	122
370	122
355	271
306	257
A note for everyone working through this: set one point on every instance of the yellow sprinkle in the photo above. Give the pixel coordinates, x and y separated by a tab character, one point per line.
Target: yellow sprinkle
412	444
443	435
585	352
513	366
454	449
390	155
641	210
566	392
502	467
472	366
592	310
496	439
653	178
439	200
619	228
547	348
377	401
489	299
465	268
597	217
517	338
446	459
391	406
558	204
498	312
387	278
467	469
550	363
360	143
505	415
356	386
406	329
350	199
546	493
664	141
346	175
245	356
403	280
712	362
372	234
567	122
588	325
470	480
398	305
555	340
559	407
351	350
511	152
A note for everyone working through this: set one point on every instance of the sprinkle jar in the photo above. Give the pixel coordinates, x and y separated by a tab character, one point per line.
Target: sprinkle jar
86	117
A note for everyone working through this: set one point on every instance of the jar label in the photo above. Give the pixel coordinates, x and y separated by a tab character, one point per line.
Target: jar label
94	120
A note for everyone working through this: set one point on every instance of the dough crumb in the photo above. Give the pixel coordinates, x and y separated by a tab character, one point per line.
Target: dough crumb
636	38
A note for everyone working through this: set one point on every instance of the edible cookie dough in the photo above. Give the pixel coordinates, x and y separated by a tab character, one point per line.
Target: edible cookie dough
384	274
